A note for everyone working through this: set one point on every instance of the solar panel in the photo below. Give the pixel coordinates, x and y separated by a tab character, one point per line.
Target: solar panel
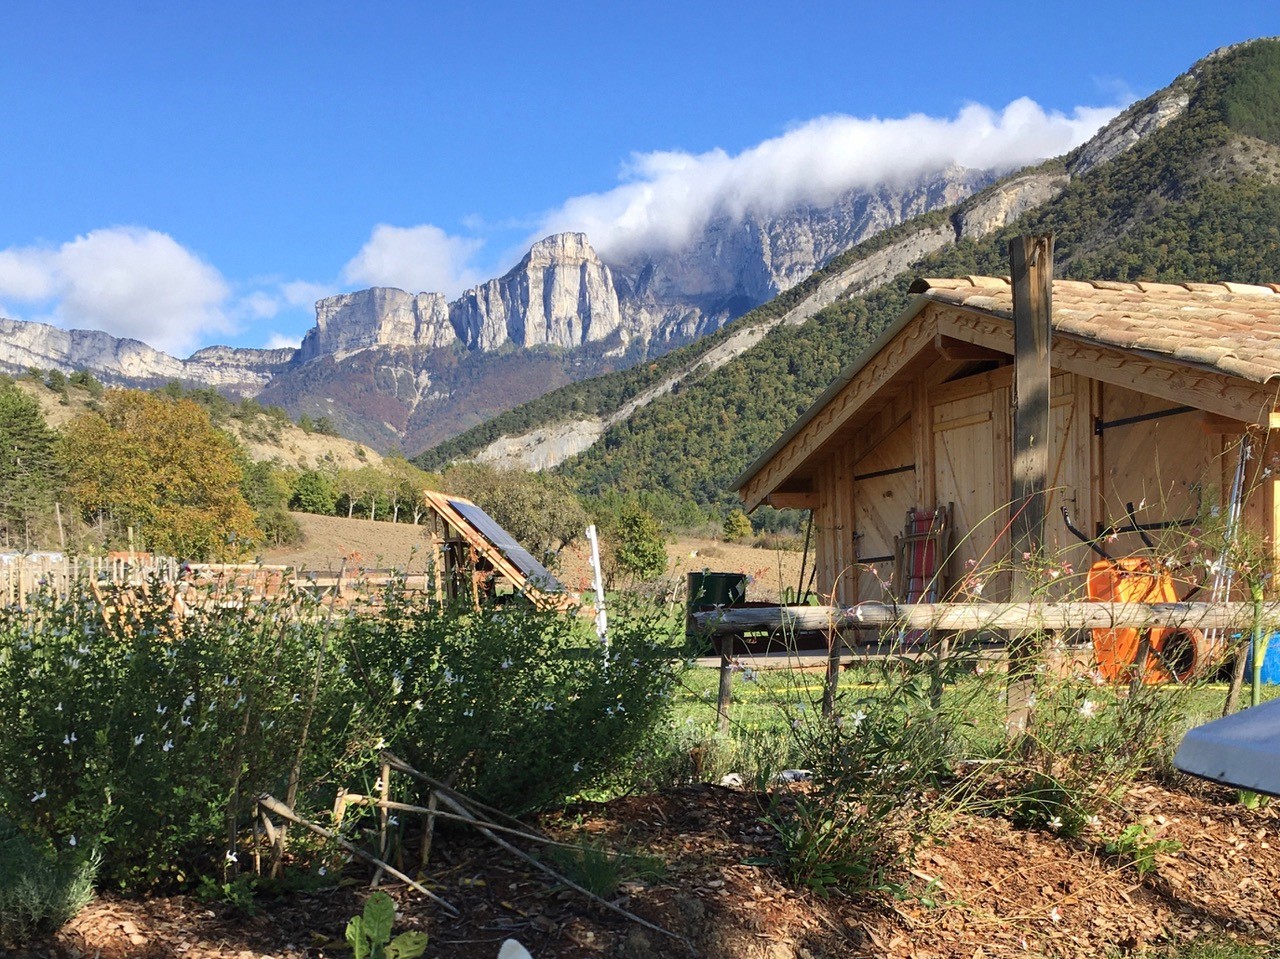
521	558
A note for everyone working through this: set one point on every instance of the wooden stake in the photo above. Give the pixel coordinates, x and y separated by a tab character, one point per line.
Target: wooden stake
1031	271
273	805
725	698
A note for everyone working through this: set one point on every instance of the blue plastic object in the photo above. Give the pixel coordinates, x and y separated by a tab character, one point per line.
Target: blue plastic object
1270	662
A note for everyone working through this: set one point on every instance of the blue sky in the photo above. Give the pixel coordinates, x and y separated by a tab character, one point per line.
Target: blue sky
192	173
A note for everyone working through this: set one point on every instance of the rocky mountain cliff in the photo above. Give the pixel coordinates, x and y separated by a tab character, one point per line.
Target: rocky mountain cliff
127	362
554	429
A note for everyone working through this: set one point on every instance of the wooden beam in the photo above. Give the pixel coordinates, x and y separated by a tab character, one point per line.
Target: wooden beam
1214	424
1031	270
808	500
1031	266
975	617
949	348
1204	389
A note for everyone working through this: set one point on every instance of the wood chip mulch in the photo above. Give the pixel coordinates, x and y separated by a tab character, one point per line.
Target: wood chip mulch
986	889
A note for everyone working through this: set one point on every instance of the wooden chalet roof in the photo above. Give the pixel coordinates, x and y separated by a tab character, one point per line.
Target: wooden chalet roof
1234	327
1231	330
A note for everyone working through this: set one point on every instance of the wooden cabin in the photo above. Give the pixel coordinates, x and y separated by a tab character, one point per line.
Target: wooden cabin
1153	389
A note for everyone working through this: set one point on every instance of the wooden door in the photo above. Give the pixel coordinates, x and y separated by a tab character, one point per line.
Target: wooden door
971	461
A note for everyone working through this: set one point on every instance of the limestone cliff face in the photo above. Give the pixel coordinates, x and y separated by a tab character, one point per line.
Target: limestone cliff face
377	317
560	294
129	362
733	265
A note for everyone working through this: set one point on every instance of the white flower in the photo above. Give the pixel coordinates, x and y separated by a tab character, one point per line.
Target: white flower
68	739
137	740
1055	917
168	744
58	708
547	707
297	698
1055	822
40	795
1088	709
858	717
417	704
186	721
323	870
240	700
577	767
392	821
161	710
83	650
71	841
231	856
505	664
191	698
1093	822
468	712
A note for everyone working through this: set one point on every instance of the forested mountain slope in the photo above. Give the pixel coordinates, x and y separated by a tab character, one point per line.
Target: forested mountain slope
1196	199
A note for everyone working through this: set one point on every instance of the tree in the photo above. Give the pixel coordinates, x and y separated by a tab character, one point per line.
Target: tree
538	509
737	526
29	473
639	547
314	492
157	464
405	485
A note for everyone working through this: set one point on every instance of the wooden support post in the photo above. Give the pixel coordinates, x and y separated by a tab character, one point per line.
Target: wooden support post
1031	272
831	687
725	699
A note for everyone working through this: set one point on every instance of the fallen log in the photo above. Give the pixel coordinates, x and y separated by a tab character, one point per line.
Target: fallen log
972	617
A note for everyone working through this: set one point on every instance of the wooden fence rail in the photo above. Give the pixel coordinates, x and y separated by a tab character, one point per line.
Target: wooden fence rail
969	617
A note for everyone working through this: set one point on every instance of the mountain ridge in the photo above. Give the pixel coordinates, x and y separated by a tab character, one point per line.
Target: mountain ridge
1196	199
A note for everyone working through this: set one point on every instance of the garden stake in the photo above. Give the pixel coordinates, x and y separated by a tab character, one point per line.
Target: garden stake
271	804
462	810
357	800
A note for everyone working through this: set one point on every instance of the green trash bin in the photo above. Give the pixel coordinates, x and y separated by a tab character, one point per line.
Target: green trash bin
717	589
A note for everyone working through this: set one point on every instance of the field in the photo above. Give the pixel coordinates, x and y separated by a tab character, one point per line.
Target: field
329	541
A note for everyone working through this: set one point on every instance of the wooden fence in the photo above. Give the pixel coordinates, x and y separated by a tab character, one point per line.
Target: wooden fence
23	575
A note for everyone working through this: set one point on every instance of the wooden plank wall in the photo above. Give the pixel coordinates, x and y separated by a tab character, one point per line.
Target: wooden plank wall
1169	468
880	504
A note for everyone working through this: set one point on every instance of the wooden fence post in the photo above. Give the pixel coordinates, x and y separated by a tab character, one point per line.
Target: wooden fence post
1031	275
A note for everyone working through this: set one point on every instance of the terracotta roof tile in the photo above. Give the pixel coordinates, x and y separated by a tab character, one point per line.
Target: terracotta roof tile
1232	327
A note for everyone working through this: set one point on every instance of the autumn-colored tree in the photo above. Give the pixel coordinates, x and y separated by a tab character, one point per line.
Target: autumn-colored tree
158	464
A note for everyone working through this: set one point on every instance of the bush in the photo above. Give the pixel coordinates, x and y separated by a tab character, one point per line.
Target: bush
149	740
518	706
882	775
39	893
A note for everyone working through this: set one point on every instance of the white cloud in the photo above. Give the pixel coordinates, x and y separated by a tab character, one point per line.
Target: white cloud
416	258
280	341
129	281
667	196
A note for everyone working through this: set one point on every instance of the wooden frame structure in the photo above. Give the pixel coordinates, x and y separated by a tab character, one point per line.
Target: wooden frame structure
468	565
1152	387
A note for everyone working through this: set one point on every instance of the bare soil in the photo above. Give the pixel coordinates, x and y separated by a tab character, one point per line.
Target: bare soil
987	889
